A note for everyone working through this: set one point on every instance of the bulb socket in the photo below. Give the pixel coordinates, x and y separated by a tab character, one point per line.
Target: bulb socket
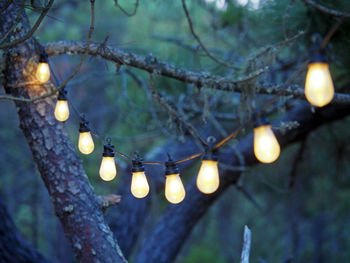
261	121
84	126
43	57
319	57
62	94
108	150
137	165
210	155
170	167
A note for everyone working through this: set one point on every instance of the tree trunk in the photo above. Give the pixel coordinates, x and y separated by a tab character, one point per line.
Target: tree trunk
61	169
175	225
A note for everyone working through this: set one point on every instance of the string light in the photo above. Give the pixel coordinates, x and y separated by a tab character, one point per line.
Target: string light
43	69
139	185
208	176
266	146
174	188
319	89
108	170
86	143
62	109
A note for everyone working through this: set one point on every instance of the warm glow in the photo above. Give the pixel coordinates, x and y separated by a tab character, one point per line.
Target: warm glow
62	110
139	185
208	177
107	169
43	72
86	144
319	89
174	189
266	146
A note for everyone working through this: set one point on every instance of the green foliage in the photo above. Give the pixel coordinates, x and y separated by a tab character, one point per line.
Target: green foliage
118	107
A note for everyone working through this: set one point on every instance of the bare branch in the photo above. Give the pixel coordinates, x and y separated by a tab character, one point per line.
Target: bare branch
64	83
286	15
108	200
201	79
325	9
32	30
200	41
174	113
152	65
247	236
126	12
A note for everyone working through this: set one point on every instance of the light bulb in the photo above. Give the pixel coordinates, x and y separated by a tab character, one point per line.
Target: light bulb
86	143
61	110
174	189
108	169
43	72
266	146
139	185
319	89
208	177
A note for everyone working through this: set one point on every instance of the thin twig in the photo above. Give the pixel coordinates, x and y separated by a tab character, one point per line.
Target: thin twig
126	12
64	83
174	113
32	30
189	20
326	10
247	237
286	15
331	32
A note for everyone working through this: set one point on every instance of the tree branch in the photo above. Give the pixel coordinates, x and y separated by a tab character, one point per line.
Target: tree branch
32	30
247	237
189	20
326	10
180	219
174	113
107	201
201	79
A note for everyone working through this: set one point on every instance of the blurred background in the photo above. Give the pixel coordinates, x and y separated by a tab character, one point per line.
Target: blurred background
303	198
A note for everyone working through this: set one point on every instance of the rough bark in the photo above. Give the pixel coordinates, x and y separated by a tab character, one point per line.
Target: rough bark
13	248
128	218
175	225
201	79
75	203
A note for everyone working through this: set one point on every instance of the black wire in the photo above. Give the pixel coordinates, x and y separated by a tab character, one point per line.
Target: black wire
191	157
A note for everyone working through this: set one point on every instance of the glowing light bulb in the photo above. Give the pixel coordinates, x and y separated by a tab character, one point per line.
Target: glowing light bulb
266	146
139	185
43	70
208	177
62	110
174	189
108	170
319	89
86	143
